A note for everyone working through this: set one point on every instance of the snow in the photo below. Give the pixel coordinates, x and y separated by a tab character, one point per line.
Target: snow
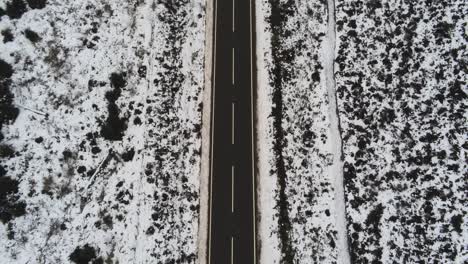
84	190
266	184
403	116
298	212
401	110
104	131
335	144
206	129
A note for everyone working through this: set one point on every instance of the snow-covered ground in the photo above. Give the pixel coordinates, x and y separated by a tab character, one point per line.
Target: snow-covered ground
100	115
299	145
401	80
394	134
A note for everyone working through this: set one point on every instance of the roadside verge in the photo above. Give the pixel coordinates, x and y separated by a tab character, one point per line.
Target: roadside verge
206	139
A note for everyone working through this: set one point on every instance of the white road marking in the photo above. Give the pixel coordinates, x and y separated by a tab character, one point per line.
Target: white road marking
212	129
233	66
232	189
233	15
232	250
232	132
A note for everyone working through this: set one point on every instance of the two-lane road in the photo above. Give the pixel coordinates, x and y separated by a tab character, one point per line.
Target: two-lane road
232	236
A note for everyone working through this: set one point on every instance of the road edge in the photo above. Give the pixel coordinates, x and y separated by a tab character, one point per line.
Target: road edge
253	102
206	138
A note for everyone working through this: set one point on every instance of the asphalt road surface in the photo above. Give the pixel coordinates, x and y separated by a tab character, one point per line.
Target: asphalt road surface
232	183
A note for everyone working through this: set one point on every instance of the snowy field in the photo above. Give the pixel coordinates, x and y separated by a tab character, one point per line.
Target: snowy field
300	211
100	115
362	131
401	81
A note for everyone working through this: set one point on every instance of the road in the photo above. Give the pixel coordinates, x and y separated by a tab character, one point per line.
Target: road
231	236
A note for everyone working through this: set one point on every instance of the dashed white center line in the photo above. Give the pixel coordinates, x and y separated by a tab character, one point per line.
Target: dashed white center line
232	250
232	189
233	66
233	14
232	132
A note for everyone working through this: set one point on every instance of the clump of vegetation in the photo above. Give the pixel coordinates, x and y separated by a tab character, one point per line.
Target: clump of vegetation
10	207
7	35
5	70
457	221
8	112
83	255
128	155
6	151
32	36
37	4
48	186
114	126
56	55
16	8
